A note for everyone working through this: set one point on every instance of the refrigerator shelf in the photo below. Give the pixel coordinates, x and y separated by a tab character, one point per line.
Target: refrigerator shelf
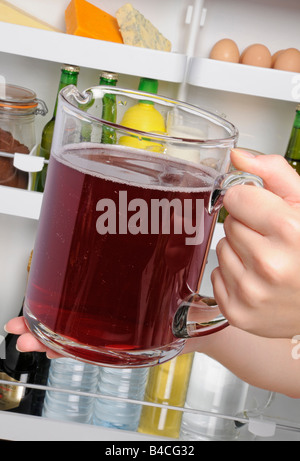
243	79
32	57
95	54
18	427
20	202
22	427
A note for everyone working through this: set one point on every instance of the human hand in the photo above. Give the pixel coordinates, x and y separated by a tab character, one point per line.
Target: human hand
27	342
257	284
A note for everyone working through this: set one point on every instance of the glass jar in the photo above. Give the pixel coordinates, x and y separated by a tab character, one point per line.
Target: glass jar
18	108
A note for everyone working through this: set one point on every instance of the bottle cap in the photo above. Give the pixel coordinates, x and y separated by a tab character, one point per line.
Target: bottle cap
70	68
108	75
148	85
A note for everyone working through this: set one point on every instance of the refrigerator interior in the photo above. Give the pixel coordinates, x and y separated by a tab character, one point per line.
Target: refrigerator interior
260	102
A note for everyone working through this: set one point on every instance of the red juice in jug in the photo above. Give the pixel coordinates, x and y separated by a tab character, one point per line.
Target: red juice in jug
122	239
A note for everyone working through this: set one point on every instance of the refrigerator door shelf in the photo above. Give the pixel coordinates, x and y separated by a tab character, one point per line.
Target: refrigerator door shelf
244	79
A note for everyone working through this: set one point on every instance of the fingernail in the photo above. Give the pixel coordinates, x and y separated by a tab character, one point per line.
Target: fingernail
7	330
244	153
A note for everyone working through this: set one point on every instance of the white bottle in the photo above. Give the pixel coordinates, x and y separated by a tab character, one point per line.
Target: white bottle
213	389
127	383
71	374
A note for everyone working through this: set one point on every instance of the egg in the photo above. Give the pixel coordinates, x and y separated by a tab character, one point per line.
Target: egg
225	50
288	60
256	55
275	56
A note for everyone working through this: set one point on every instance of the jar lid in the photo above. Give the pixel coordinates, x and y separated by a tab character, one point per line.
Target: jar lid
16	98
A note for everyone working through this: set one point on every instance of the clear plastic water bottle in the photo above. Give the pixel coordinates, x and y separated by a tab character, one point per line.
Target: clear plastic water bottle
70	374
127	383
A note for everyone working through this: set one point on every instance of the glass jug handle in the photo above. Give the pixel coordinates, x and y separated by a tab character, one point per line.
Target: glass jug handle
225	181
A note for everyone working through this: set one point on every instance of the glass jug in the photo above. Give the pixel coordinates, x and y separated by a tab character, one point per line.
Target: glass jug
125	229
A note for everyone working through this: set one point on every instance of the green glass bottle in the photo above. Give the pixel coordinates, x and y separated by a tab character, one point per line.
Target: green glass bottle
109	112
69	76
109	107
148	85
292	154
222	215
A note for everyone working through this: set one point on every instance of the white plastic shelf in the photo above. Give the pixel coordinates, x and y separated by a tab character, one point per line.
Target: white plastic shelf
19	202
17	427
244	79
94	54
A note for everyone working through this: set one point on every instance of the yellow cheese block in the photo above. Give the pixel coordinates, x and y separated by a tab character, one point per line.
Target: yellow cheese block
13	15
86	20
136	30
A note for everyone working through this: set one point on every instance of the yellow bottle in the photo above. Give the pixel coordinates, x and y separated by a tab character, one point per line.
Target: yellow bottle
167	384
144	117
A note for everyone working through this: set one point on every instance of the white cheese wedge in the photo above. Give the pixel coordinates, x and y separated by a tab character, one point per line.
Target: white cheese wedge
13	15
136	30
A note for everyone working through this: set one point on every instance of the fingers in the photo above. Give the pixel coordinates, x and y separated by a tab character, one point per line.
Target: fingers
246	244
27	342
254	207
16	326
278	176
230	265
220	290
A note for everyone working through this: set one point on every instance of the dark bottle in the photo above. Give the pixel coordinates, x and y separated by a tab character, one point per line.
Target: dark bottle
292	154
69	76
28	368
16	366
40	378
24	367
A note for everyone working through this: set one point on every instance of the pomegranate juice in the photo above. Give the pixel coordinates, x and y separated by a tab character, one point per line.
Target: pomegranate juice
110	267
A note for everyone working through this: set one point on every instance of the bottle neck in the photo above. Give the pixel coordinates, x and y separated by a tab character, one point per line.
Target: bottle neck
109	108
297	120
107	82
293	149
148	85
67	78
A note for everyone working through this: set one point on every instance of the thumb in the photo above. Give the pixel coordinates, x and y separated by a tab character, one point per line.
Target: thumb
278	176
